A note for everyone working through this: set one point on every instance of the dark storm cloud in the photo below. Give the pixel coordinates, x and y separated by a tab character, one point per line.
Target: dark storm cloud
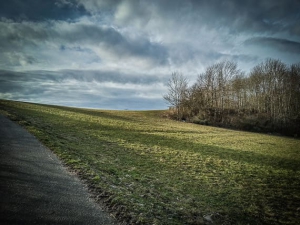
37	10
17	36
229	20
277	43
78	75
109	76
82	88
252	16
238	16
116	42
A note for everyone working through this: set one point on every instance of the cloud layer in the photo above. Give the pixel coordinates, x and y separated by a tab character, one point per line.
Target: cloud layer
129	48
91	89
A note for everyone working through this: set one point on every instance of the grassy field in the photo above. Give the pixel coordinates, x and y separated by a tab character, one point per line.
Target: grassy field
152	170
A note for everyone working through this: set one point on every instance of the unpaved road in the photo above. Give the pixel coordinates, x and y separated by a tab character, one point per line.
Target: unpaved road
34	186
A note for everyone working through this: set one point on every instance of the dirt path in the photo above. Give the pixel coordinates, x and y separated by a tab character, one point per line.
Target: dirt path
34	186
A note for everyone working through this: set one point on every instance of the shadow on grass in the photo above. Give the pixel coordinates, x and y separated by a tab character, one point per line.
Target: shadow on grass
92	112
136	137
114	132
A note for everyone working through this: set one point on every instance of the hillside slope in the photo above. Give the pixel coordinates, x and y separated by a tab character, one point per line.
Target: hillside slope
152	170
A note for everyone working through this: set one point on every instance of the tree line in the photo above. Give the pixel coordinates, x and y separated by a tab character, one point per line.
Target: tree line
265	99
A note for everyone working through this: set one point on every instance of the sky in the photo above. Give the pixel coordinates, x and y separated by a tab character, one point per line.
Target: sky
114	54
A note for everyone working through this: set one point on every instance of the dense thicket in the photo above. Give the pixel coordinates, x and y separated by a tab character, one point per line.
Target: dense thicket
266	99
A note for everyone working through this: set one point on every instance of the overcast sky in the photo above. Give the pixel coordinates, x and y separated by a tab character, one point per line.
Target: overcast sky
114	54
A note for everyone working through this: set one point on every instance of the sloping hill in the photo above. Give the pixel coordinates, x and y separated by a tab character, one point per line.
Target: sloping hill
152	170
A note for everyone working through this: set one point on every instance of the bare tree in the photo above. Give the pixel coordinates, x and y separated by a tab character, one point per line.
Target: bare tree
177	92
267	98
293	91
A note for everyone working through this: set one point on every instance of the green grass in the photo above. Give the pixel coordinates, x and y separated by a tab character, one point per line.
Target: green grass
152	170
